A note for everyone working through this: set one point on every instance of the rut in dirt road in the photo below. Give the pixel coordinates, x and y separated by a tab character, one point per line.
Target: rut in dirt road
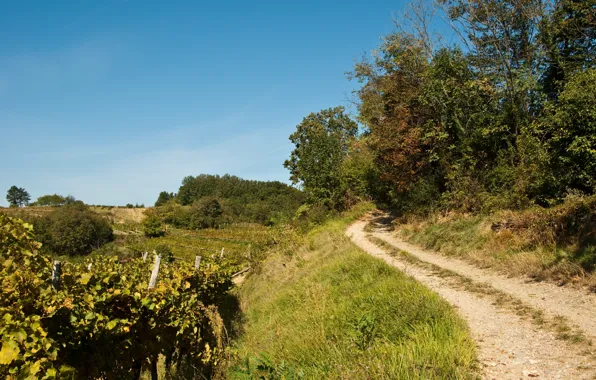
510	346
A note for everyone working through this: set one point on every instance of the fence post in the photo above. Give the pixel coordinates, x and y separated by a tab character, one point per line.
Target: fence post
89	266
155	272
56	273
145	256
222	253
197	262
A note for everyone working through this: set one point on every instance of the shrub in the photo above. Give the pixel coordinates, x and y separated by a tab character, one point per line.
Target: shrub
309	215
165	252
152	226
73	230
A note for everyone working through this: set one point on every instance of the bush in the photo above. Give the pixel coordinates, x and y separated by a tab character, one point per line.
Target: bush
152	226
206	213
309	215
73	230
165	252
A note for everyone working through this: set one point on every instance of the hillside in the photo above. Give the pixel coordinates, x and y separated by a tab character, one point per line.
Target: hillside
324	309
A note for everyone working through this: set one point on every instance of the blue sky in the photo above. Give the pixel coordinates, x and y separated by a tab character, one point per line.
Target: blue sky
113	101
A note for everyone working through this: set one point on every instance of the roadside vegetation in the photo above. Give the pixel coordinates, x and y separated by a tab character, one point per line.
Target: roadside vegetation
483	148
329	310
556	244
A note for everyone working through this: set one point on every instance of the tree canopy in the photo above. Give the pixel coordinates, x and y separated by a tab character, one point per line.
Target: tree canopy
321	144
503	119
17	197
240	200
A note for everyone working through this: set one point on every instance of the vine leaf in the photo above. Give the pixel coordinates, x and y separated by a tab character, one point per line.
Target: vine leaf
9	352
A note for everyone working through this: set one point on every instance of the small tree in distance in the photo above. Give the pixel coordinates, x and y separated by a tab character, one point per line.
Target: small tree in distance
164	196
17	197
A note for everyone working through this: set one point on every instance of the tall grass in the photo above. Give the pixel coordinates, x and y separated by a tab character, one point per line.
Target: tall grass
548	244
332	311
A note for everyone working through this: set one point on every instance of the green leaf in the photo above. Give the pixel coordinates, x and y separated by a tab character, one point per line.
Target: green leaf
112	324
9	352
85	277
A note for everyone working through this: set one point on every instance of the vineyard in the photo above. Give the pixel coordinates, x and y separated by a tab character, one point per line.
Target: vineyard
102	320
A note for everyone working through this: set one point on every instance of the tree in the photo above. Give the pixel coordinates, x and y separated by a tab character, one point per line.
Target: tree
50	200
321	144
163	197
570	125
17	197
206	213
568	36
502	36
73	230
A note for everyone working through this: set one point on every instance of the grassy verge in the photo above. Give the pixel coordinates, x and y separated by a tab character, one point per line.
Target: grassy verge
559	325
514	243
331	311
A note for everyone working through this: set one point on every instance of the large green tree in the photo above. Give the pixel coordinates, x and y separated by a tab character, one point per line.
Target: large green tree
17	197
568	35
570	128
50	200
321	144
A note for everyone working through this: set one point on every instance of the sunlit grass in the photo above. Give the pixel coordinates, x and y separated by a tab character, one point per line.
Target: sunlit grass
332	311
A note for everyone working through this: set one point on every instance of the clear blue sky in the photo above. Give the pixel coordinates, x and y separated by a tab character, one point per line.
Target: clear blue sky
113	101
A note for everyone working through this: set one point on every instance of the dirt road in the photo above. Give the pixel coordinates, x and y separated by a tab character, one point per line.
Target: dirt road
518	326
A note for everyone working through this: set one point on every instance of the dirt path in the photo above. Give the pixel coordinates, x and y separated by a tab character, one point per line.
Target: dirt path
510	346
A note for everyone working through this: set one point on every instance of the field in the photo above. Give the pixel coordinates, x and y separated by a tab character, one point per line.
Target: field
331	311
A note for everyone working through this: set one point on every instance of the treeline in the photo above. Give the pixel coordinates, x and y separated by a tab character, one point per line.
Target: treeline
504	119
211	200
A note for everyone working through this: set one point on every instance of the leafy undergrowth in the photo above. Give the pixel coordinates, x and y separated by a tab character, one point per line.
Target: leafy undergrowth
546	244
332	311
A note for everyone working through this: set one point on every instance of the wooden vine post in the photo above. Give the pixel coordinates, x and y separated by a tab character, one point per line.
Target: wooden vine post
155	272
222	253
197	262
56	273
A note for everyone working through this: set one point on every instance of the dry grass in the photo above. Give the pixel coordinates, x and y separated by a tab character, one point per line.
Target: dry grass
514	243
121	215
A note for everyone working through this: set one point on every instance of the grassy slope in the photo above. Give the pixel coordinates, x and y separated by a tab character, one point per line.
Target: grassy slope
512	251
332	311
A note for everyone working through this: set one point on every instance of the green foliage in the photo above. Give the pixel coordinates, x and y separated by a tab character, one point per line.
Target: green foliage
152	226
240	200
163	197
310	215
103	322
505	122
321	145
72	230
205	213
331	311
17	197
50	200
568	36
570	124
165	252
